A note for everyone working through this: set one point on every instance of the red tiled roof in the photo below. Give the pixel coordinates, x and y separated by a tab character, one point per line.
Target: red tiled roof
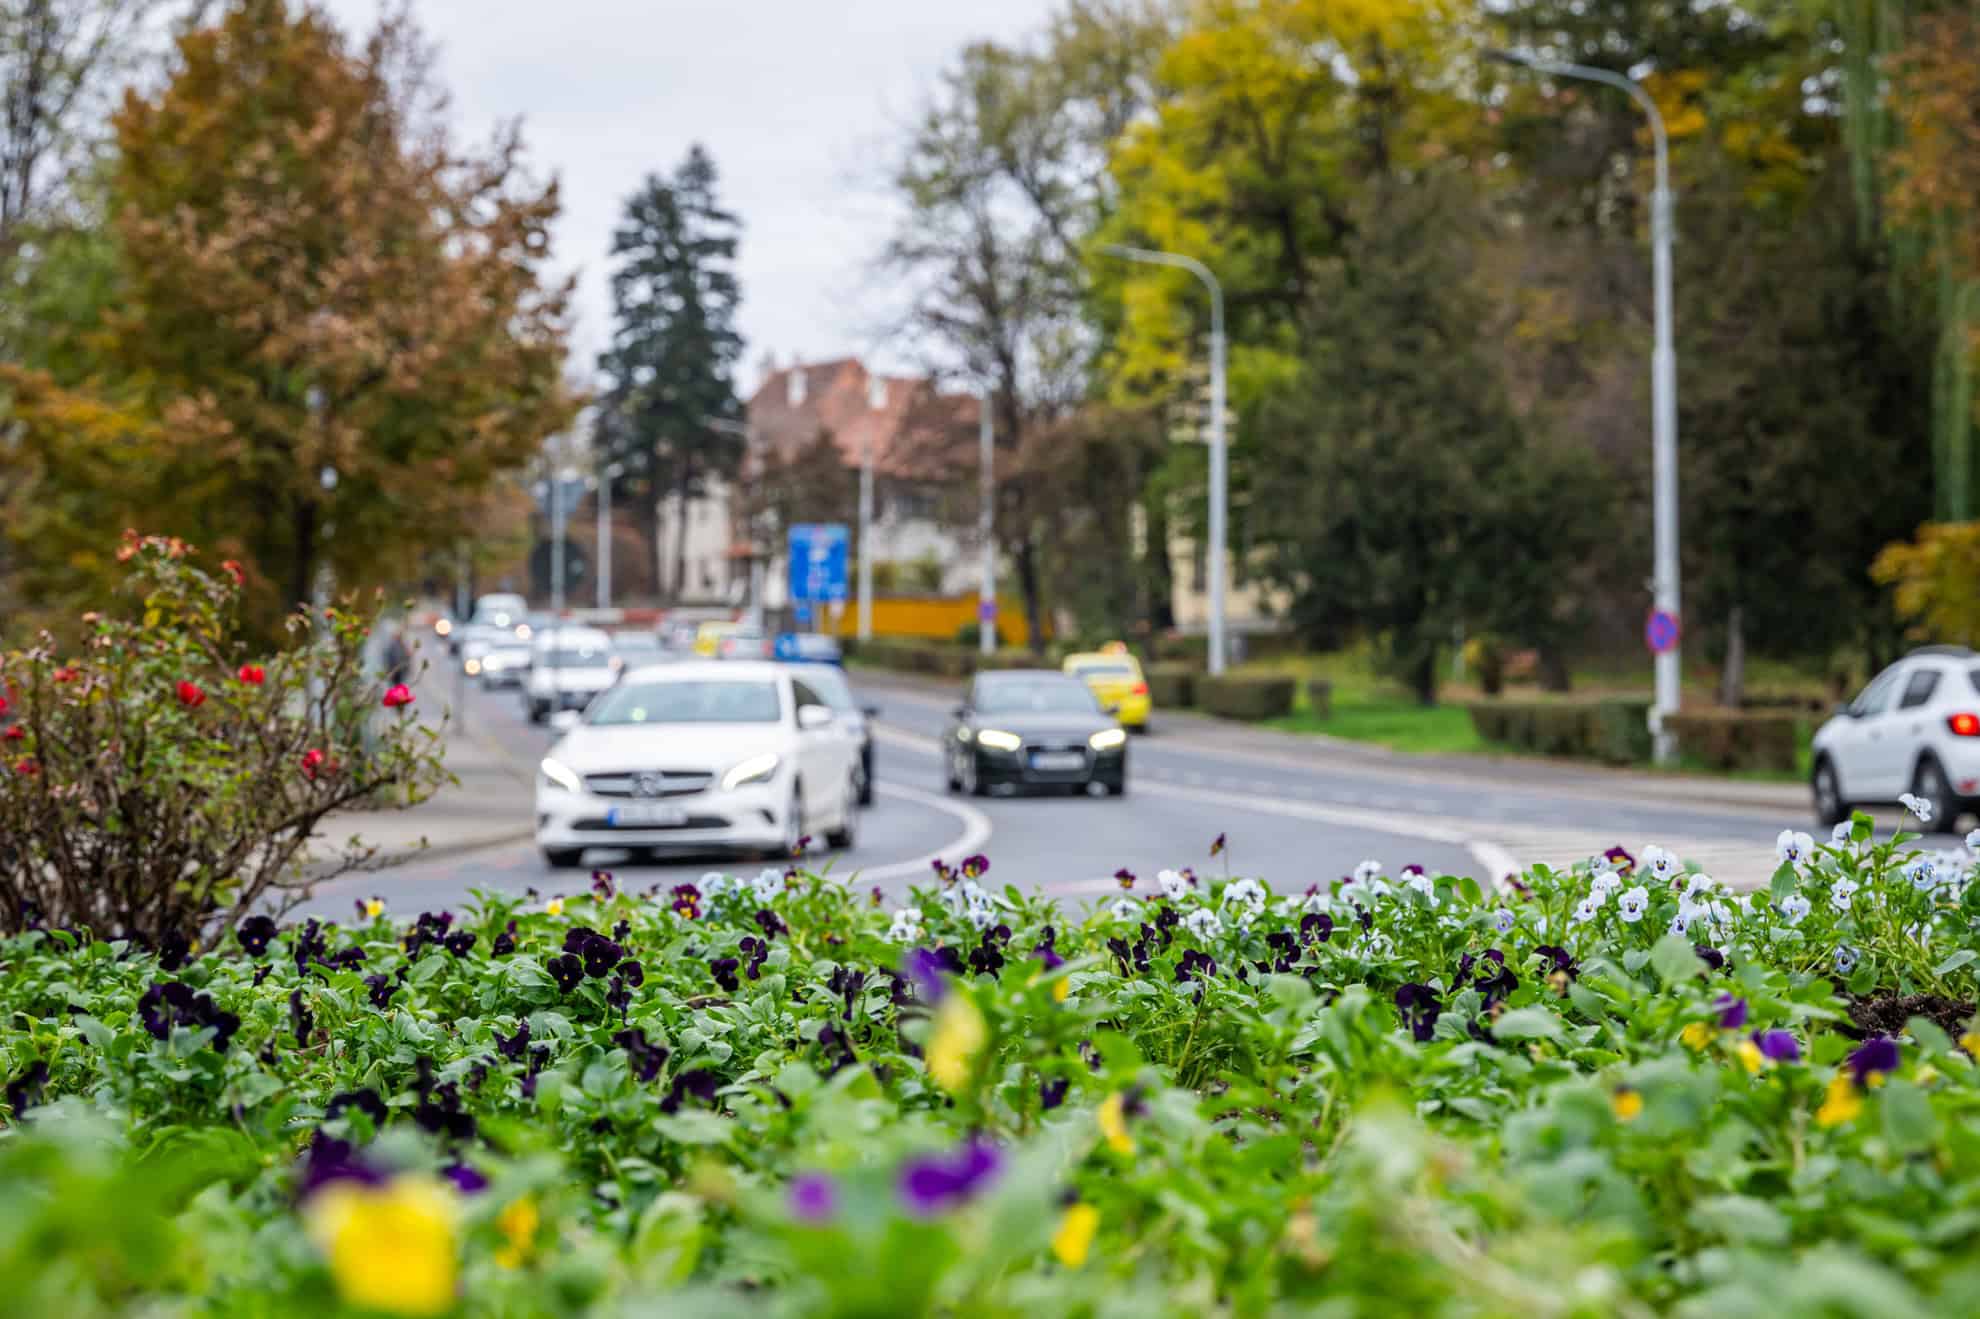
915	432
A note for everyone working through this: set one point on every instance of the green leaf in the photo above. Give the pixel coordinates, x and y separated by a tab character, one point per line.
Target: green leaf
1674	961
1956	961
1467	888
95	1032
691	1127
1910	1125
1932	1041
1784	881
1586	1001
1531	1023
1741	1218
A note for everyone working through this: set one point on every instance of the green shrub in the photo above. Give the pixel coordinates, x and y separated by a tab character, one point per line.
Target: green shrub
1172	686
1611	729
1320	697
1250	696
164	779
1738	739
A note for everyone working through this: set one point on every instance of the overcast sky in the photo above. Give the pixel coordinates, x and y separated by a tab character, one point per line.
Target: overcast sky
798	100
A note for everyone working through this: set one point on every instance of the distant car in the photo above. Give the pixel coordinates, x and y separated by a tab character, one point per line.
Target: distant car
639	648
830	683
1033	728
500	663
1117	682
679	638
504	610
807	648
1914	729
695	757
708	637
745	643
568	666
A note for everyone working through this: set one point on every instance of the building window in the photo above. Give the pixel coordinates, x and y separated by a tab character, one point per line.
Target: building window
794	387
876	393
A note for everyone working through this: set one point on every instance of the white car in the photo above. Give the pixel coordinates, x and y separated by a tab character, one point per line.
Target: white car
567	666
699	756
1915	729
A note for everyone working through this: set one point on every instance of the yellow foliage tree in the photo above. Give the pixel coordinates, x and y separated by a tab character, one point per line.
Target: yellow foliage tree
1935	581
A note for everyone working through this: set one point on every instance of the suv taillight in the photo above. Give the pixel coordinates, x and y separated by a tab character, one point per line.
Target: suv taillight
1964	724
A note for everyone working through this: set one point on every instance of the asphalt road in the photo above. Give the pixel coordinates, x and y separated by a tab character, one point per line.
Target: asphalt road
1290	818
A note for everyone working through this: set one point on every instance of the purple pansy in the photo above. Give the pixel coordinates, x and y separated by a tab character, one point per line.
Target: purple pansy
1778	1045
1876	1054
933	1183
814	1198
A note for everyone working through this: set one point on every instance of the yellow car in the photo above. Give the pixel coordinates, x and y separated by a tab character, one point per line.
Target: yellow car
708	638
1114	677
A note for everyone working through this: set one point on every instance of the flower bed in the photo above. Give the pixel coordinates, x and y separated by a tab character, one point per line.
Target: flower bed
1613	1091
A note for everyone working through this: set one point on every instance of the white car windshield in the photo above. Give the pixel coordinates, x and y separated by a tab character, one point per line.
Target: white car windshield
1040	694
691	701
585	657
831	684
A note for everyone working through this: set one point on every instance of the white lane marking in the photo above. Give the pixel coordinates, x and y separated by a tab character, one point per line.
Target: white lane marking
1495	861
1402	826
974	837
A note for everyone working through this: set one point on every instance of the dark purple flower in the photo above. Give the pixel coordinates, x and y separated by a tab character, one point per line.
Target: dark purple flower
1052	1093
173	951
1877	1054
1195	966
621	930
365	1101
687	902
634	973
504	944
618	997
1124	878
698	1083
975	867
925	968
1624	863
770	924
254	934
643	1059
933	1183
1711	956
1420	1008
1778	1045
1732	1012
466	1180
1316	927
1558	961
459	942
331	1160
24	1091
601	885
512	1046
757	951
724	971
814	1198
600	956
301	1018
381	987
566	970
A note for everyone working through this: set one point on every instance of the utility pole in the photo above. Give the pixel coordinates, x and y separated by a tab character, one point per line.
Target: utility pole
1219	462
986	602
605	475
1665	596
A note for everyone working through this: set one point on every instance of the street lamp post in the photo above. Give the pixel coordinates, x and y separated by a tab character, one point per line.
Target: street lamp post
986	600
1219	469
865	543
605	475
1663	387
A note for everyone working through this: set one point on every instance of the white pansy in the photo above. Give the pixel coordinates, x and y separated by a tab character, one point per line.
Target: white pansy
1126	909
1793	848
907	925
1606	882
1174	886
1845	959
1842	893
1633	903
1973	840
1317	900
1917	805
715	884
1697	884
1923	873
1245	897
1840	834
1585	911
1366	871
767	885
1423	884
1793	908
1503	919
1660	863
1203	923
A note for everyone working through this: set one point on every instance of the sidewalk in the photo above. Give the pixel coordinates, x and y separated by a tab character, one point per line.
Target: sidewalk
492	803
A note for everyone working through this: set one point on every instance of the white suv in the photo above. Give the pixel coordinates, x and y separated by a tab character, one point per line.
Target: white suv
1914	729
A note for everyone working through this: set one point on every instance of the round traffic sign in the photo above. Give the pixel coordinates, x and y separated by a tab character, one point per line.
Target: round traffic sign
1660	631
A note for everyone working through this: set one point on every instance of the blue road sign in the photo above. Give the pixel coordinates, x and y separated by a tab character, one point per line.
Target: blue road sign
818	562
1660	631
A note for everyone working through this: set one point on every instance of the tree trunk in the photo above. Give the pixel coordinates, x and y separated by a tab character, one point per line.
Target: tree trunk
1025	557
647	513
1554	676
1423	675
680	543
1732	678
1160	573
302	585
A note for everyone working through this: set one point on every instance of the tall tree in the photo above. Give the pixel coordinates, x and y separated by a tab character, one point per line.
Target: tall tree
670	370
327	318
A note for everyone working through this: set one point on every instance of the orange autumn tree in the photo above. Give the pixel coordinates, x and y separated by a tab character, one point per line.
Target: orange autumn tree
331	332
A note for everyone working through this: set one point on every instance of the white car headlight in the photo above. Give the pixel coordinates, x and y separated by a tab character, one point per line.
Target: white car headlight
1106	739
561	775
998	740
757	769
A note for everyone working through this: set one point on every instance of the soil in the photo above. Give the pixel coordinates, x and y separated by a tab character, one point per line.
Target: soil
1886	1014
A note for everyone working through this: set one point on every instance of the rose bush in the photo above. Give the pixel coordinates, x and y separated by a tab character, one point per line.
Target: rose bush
159	782
1615	1090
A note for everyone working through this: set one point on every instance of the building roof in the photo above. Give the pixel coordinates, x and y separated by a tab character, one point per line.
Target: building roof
915	431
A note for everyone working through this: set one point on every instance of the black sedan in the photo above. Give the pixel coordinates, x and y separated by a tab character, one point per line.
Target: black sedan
1033	728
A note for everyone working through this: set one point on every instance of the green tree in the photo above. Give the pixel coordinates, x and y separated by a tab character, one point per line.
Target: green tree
1406	496
669	371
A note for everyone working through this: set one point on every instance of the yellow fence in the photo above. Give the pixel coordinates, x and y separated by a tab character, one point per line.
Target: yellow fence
932	617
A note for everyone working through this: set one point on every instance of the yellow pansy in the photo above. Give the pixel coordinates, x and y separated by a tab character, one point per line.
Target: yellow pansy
959	1036
1696	1036
374	908
1843	1102
1113	1124
1074	1237
1060	988
1749	1053
554	907
1626	1104
1971	1043
517	1223
391	1247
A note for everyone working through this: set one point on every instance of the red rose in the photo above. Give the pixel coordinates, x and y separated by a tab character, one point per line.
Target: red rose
233	569
396	695
252	674
3	705
311	760
27	766
67	673
15	733
190	695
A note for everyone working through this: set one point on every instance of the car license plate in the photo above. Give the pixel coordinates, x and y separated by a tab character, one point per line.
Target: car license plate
1054	762
649	817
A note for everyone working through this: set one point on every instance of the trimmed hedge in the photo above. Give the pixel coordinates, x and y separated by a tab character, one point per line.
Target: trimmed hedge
1738	739
1173	686
1245	695
1611	729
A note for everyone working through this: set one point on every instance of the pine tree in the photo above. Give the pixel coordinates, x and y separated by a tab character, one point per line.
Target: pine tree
668	373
